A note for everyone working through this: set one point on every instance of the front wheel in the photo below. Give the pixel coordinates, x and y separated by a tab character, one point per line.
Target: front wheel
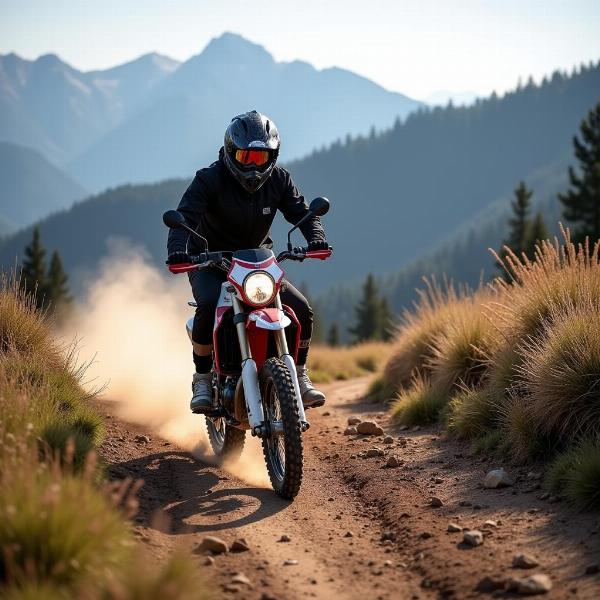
282	445
227	442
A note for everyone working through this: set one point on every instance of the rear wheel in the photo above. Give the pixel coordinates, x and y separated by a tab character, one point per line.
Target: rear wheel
227	442
282	446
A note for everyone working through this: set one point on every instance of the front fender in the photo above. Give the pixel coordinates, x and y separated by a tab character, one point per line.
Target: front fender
271	319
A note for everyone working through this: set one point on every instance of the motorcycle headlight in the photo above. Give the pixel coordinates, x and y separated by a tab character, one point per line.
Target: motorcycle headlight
259	288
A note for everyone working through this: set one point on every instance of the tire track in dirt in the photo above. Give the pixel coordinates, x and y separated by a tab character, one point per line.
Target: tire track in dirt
336	543
346	504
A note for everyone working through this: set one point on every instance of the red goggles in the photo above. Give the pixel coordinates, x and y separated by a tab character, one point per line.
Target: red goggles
249	157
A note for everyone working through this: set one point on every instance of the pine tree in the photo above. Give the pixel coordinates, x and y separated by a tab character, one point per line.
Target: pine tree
581	203
33	271
386	327
537	232
58	291
368	313
519	225
519	222
333	336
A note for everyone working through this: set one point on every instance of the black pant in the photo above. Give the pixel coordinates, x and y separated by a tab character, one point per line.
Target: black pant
206	287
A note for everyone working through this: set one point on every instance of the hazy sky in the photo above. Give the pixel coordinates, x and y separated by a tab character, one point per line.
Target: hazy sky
417	47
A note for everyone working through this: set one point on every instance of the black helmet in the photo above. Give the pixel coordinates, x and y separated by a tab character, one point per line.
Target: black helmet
251	149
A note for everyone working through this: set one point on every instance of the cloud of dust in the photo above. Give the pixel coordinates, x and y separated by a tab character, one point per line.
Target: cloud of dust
132	320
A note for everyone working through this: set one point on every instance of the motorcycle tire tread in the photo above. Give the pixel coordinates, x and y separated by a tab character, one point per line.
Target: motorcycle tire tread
233	444
282	380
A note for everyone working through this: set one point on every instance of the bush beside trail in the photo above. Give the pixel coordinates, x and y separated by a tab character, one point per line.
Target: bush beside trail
513	366
63	532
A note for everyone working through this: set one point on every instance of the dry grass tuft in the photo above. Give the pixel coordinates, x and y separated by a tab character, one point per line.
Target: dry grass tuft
61	536
471	413
576	474
421	404
521	360
561	372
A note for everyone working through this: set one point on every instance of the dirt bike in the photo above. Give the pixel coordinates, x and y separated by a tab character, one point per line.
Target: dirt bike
255	344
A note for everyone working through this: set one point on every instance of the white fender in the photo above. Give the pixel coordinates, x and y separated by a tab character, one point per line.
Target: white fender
281	323
256	415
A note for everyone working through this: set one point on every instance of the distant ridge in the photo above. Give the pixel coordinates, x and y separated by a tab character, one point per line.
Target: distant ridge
153	118
31	187
181	124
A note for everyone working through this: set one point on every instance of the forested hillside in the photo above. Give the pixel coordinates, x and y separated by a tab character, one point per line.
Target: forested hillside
399	195
443	177
31	187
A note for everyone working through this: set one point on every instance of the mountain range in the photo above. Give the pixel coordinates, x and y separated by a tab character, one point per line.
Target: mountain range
155	118
31	186
442	177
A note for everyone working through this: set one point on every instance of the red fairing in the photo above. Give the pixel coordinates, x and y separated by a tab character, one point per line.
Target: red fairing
182	268
319	254
258	339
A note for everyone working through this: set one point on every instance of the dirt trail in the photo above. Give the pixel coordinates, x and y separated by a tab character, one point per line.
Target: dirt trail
347	507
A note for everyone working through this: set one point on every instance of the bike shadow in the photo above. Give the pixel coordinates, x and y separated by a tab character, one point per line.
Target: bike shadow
182	495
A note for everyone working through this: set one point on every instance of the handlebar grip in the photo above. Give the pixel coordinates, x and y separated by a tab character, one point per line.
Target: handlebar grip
182	268
319	254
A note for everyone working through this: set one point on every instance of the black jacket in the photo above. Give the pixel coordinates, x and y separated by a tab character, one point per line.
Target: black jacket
230	218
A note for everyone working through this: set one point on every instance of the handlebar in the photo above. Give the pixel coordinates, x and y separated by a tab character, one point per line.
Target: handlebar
221	259
300	254
202	261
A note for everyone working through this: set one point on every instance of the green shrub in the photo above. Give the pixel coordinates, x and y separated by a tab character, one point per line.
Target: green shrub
380	390
576	475
491	442
561	373
471	413
421	404
54	526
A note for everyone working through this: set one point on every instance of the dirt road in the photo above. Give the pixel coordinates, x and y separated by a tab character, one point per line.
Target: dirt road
357	529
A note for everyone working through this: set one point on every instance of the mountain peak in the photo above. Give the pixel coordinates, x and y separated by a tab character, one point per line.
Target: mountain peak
230	45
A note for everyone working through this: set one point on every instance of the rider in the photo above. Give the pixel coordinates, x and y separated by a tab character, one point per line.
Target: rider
232	203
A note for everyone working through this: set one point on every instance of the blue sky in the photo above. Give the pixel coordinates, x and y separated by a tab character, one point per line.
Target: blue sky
416	47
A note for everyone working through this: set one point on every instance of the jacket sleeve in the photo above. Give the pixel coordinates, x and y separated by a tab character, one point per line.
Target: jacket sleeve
194	203
294	207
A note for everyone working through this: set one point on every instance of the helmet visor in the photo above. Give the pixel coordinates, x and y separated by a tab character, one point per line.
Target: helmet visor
252	157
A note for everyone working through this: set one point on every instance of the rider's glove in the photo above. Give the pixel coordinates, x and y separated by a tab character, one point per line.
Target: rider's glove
318	245
178	258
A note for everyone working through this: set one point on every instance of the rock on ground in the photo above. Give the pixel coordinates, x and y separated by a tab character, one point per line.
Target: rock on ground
524	561
371	452
353	420
497	478
350	431
369	428
240	578
240	546
531	585
211	544
392	462
473	537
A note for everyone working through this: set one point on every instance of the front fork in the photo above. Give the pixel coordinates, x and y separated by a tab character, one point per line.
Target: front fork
256	416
